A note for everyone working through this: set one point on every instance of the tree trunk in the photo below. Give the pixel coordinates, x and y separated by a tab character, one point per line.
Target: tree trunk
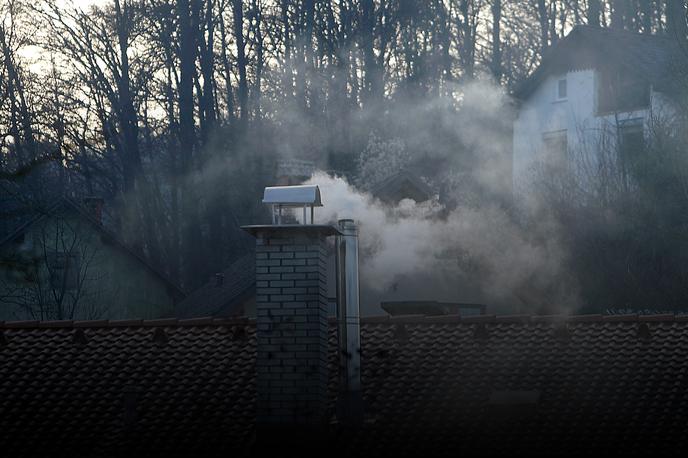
287	70
187	59
131	160
543	19
226	66
594	9
238	12
207	97
258	34
496	45
192	236
135	184
308	63
467	50
372	74
21	119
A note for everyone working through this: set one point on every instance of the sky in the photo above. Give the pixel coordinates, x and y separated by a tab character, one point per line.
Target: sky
82	3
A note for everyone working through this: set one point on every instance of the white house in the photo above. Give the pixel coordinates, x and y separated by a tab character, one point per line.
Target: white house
596	93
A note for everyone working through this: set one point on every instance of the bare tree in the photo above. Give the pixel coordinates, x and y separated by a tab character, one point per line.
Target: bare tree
496	45
55	273
163	106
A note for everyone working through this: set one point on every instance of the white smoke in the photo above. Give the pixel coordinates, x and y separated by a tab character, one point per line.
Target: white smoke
412	251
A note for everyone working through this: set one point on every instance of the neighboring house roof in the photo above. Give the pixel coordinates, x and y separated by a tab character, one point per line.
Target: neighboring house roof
223	295
402	185
494	384
654	57
32	215
432	308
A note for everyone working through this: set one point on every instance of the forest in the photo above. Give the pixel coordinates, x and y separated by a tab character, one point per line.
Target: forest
175	112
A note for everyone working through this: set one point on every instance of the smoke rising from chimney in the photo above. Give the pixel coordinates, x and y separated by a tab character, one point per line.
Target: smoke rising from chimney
471	244
414	251
468	245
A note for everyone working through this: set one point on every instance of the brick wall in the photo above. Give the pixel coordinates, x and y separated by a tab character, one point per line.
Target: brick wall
291	308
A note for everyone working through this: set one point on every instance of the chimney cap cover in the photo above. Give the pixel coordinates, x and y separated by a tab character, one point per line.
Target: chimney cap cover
293	195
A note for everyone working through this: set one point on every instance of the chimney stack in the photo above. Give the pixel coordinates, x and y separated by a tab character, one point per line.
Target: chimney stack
350	408
291	308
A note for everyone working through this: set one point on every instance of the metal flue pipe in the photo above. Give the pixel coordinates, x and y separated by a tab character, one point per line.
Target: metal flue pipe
348	320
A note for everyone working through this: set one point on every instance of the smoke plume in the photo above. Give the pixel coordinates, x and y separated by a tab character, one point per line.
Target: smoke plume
471	243
416	251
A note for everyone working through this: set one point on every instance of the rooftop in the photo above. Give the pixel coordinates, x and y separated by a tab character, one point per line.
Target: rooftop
549	383
654	57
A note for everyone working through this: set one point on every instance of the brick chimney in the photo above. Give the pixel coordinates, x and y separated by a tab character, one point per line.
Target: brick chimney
291	315
291	309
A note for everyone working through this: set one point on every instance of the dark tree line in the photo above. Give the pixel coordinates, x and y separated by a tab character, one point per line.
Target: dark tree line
174	110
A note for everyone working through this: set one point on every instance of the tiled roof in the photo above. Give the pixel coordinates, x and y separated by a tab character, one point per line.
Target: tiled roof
548	384
654	57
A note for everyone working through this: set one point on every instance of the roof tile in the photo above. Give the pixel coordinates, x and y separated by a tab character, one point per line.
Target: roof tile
427	385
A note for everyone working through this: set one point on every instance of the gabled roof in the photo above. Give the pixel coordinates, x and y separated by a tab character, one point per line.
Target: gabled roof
61	205
543	385
653	57
221	297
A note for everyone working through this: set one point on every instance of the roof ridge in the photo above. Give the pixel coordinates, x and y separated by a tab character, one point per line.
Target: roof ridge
158	322
661	36
375	319
520	318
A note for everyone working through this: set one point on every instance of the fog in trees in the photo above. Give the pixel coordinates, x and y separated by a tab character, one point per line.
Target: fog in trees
177	113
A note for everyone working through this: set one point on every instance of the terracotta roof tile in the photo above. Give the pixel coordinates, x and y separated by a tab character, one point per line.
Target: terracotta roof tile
188	387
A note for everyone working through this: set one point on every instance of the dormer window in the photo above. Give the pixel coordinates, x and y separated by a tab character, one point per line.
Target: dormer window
561	89
622	91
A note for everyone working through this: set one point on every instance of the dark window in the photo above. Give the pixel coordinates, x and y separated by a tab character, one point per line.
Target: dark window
64	270
555	148
622	91
631	142
561	89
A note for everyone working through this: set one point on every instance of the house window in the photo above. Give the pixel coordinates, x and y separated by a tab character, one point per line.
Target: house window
562	89
631	142
64	271
622	91
555	148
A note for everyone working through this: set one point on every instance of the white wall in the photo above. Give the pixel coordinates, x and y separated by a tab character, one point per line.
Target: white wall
542	113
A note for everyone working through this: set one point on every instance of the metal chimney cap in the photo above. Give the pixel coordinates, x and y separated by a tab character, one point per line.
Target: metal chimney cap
348	226
293	195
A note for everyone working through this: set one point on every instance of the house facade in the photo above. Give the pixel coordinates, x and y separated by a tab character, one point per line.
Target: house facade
593	102
60	263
